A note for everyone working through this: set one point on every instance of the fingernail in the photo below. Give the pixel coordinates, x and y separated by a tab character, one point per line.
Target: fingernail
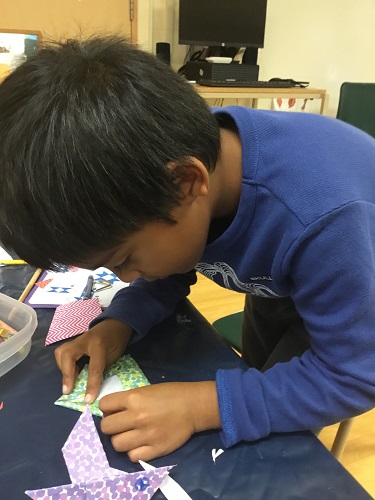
87	398
65	389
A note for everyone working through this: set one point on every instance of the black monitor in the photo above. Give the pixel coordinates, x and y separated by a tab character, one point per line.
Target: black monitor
222	23
16	46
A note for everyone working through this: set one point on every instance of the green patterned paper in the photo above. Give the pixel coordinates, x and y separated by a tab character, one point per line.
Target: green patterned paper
126	369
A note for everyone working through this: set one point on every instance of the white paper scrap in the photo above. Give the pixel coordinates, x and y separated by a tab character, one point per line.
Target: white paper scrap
4	255
109	386
170	489
216	453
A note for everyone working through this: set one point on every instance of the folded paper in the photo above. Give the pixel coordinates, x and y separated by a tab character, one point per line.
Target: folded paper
4	255
56	288
170	489
6	332
123	375
72	319
91	475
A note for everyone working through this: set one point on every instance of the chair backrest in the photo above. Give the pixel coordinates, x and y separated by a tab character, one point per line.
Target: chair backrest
230	327
357	105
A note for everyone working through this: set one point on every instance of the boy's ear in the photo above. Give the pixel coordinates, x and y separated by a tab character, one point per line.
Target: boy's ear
192	178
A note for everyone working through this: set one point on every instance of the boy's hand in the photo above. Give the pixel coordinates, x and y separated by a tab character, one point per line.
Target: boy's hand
104	343
152	421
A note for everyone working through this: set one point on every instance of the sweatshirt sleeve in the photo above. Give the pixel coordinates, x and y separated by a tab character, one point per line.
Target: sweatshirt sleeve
143	304
332	273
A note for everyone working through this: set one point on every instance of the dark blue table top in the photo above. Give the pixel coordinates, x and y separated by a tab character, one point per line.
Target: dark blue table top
183	348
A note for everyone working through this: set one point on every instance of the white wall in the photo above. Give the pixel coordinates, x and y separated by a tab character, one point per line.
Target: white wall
165	28
325	42
144	31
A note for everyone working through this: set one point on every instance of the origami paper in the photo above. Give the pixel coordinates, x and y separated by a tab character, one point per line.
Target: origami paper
91	475
4	255
43	284
216	453
6	331
169	487
126	371
72	319
55	288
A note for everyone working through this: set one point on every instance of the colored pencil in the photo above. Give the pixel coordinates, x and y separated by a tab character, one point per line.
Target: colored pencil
30	284
12	262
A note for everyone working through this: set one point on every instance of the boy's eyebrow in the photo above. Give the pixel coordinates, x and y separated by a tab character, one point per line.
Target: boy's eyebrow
106	258
96	265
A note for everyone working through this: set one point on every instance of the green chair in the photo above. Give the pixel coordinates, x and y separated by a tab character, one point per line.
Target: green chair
229	327
357	105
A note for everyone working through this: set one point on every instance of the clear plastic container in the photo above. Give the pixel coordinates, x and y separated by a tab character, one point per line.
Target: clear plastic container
22	318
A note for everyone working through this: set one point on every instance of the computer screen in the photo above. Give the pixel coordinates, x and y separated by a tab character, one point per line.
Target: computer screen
15	47
234	23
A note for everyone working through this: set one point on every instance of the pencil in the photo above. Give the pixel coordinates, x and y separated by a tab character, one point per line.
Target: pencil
88	289
30	284
11	262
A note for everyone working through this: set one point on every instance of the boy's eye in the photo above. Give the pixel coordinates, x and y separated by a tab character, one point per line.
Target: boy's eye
123	264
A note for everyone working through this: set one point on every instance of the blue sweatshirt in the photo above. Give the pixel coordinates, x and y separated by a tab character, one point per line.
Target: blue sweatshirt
305	228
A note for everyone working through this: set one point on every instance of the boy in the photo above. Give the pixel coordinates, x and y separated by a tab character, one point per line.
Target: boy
108	158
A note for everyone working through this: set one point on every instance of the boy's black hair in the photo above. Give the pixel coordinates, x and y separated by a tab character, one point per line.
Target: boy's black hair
87	129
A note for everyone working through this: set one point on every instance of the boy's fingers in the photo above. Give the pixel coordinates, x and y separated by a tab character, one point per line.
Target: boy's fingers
112	404
145	453
127	441
67	364
68	382
95	375
117	423
69	370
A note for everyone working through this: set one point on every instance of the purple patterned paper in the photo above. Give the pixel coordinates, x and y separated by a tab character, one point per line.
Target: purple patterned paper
91	475
83	452
135	486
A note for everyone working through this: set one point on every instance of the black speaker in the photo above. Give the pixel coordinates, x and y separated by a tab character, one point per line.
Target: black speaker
198	70
250	56
163	52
